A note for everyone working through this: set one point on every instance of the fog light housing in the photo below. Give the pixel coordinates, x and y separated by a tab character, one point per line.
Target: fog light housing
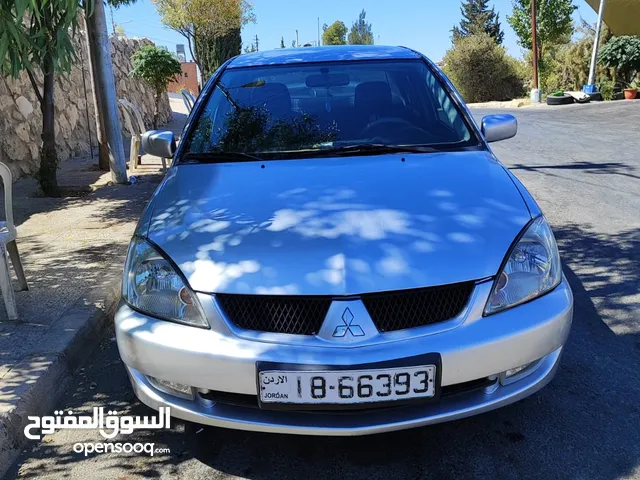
172	388
515	374
515	371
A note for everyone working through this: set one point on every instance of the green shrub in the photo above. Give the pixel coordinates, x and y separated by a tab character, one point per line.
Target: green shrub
523	70
482	71
606	89
549	70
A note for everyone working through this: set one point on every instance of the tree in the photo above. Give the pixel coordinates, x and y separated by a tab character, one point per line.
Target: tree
36	37
482	71
336	34
623	55
282	43
554	23
157	67
477	18
215	50
361	32
205	22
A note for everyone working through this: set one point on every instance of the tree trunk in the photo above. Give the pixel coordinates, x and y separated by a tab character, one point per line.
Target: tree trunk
47	174
156	112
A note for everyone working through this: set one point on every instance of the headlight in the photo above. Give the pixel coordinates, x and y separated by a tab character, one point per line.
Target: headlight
532	268
152	285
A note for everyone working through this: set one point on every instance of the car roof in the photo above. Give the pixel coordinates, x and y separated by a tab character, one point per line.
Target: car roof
284	56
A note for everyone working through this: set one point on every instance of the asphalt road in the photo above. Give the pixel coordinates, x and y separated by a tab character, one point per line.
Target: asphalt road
582	164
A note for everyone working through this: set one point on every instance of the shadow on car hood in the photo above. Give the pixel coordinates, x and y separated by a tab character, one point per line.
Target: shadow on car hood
338	226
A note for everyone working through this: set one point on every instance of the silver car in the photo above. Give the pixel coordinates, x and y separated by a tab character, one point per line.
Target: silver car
337	251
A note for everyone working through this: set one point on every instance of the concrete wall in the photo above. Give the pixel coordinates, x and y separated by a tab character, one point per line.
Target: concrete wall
21	119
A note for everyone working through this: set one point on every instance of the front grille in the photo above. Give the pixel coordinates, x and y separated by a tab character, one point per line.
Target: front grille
403	309
390	311
295	315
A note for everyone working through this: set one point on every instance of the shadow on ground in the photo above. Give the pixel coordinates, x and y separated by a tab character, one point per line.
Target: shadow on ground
608	168
583	425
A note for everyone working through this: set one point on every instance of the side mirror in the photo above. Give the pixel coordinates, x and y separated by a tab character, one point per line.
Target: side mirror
499	127
160	143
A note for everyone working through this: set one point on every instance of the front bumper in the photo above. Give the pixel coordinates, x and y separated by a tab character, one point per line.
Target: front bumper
478	348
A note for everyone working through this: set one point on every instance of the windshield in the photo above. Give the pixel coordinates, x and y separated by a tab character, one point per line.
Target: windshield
305	109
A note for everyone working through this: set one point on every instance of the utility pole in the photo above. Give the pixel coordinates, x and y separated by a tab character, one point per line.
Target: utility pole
535	93
319	32
105	90
101	134
297	39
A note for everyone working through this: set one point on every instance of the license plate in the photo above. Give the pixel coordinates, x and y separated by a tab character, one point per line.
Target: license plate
344	387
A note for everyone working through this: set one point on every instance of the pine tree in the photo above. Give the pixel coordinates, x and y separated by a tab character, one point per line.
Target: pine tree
282	43
361	32
477	17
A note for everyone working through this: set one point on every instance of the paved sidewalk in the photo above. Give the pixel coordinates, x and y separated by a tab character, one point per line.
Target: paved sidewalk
73	252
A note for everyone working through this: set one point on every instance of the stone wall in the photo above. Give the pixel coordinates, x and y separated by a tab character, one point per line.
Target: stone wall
21	119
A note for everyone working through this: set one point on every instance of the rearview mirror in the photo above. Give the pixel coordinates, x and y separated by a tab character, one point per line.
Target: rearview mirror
160	143
328	80
499	127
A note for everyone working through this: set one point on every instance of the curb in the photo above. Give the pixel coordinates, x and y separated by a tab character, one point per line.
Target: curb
73	338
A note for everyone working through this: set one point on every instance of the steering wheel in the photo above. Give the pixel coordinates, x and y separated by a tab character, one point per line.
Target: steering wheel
382	127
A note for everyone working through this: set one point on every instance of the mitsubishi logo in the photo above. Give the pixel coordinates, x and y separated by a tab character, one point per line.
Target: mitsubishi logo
349	326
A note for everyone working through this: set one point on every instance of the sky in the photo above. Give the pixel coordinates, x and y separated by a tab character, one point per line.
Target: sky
424	25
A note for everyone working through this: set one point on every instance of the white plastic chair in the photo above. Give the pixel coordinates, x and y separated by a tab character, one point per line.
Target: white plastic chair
130	111
9	248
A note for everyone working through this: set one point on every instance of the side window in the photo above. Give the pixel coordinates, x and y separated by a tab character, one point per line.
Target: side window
447	113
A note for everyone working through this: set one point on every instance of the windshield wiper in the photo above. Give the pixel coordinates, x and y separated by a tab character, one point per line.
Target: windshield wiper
372	148
227	95
364	148
219	157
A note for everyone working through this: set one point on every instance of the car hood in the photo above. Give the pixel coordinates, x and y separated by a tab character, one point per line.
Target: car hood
338	226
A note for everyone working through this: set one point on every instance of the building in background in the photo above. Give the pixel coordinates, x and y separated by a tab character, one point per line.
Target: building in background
189	77
187	80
